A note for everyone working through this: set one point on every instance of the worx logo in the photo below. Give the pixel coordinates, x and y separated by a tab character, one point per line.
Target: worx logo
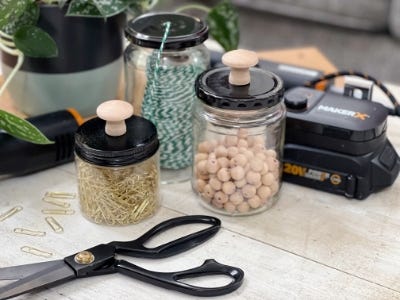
343	112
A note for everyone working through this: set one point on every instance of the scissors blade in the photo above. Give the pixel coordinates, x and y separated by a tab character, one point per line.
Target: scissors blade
54	274
18	272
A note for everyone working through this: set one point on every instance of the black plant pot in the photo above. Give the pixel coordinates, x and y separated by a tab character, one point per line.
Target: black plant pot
85	73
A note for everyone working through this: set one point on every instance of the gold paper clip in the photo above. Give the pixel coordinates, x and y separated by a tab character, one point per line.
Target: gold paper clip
58	211
56	202
54	224
62	195
29	232
11	212
37	252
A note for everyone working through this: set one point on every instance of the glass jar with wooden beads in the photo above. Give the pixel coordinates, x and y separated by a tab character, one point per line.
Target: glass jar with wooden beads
117	164
238	136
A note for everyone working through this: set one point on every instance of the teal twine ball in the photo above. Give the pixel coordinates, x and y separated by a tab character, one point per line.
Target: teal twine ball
168	103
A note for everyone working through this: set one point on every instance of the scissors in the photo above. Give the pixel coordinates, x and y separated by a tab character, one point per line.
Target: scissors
101	260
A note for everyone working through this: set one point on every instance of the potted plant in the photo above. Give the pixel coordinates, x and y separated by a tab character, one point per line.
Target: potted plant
59	68
30	39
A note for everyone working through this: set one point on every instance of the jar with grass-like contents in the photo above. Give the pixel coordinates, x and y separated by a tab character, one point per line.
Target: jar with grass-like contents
117	164
238	136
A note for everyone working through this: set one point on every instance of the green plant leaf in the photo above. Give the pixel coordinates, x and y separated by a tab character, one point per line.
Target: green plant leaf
223	21
82	8
35	42
21	129
109	8
11	9
140	6
29	16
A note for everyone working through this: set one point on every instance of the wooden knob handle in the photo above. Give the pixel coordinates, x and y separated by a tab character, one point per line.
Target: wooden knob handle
240	62
115	112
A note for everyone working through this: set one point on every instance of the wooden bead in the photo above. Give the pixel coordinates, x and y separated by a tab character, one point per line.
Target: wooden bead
223	174
261	156
249	190
259	140
267	179
215	184
231	140
274	187
264	192
265	169
212	165
271	153
205	177
205	147
200	184
209	191
243	133
276	173
242	143
228	187
243	207
257	185
242	150
232	151
253	178
254	202
256	164
273	163
249	155
258	148
240	183
236	198
200	156
220	197
201	167
238	160
237	173
221	151
223	162
230	207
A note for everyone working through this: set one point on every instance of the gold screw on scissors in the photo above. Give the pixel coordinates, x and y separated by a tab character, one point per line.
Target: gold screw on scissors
84	258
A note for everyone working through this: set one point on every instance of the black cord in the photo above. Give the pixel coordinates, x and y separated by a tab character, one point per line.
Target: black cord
396	104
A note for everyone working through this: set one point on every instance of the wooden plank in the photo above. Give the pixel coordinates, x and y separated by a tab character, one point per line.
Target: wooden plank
271	272
307	57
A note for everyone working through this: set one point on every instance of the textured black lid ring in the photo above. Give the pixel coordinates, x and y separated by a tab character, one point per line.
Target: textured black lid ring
94	146
264	91
148	31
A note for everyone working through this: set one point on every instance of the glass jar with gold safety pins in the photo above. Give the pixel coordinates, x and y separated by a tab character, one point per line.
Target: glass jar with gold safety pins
117	166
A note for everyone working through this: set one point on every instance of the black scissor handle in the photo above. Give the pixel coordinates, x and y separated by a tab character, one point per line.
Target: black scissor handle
171	280
136	247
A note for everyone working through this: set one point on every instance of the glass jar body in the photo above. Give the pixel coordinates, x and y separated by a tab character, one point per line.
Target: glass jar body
238	158
161	89
118	195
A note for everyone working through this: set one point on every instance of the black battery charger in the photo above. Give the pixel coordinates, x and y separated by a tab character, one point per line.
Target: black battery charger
337	143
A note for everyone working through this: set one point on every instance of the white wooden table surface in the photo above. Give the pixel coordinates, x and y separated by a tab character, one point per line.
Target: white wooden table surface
310	245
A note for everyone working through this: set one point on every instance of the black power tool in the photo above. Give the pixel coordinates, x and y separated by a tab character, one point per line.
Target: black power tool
337	143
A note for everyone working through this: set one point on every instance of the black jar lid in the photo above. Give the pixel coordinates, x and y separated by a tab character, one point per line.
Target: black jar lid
93	145
264	90
148	31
